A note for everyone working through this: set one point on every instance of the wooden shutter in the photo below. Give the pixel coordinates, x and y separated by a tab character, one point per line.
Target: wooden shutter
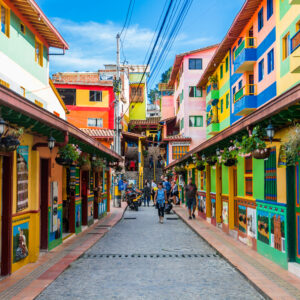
270	177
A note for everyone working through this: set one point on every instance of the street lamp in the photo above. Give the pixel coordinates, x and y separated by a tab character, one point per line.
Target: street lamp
3	126
94	157
270	132
51	142
203	157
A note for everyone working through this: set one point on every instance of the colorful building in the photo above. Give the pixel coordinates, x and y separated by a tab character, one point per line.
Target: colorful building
247	178
41	192
89	98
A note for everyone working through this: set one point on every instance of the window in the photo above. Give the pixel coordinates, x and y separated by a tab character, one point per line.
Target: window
261	19
221	71
269	9
181	124
68	96
239	41
22	28
297	26
240	84
227	100
195	63
234	91
226	64
248	176
179	151
233	50
270	177
95	122
195	92
221	104
261	70
286	46
39	52
196	121
96	96
271	61
4	11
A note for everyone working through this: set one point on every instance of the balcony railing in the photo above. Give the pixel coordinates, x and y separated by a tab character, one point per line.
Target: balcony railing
247	90
248	42
295	41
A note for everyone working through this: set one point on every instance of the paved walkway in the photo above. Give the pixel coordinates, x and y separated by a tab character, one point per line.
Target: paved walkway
271	279
32	279
142	259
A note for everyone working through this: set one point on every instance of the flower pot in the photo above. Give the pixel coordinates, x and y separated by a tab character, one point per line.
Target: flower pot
230	162
9	143
201	167
261	153
212	162
63	161
215	102
86	166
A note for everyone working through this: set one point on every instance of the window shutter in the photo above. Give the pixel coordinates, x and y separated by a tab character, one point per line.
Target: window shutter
270	177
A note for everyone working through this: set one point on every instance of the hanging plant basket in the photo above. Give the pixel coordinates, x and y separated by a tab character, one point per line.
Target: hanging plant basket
86	166
261	153
215	102
200	167
230	162
212	162
9	143
63	161
97	169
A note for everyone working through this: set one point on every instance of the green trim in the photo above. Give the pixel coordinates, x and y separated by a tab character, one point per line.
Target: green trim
240	177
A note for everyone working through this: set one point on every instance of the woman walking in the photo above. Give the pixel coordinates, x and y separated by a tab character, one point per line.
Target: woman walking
174	192
147	193
160	200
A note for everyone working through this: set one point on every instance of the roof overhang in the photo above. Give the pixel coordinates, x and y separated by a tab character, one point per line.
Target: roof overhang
23	113
287	104
240	21
100	134
37	20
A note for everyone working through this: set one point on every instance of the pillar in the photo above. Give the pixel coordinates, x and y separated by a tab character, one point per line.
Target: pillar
231	199
218	193
208	186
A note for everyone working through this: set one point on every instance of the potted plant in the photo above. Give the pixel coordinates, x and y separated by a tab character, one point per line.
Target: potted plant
11	140
254	144
213	80
292	146
67	155
180	170
97	164
84	162
212	160
229	156
199	163
145	153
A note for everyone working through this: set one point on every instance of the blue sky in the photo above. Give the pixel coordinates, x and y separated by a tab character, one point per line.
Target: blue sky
90	28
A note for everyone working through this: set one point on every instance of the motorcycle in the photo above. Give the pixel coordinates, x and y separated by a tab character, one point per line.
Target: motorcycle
132	199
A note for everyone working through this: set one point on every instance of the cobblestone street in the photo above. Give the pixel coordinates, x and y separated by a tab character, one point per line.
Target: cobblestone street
142	259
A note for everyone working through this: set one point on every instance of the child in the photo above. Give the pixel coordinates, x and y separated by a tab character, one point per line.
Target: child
160	199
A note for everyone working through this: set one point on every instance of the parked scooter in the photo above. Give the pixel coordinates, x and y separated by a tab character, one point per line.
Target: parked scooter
133	198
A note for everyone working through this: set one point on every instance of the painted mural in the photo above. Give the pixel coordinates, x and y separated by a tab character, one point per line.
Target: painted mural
20	241
242	219
78	216
22	178
202	204
263	226
251	222
277	232
225	213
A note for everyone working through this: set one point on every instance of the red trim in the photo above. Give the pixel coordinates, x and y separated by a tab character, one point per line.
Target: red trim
86	86
26	212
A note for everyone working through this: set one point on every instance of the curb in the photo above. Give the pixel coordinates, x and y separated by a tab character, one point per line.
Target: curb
225	258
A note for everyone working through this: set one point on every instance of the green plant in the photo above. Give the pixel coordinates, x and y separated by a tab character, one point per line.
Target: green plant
252	142
69	151
229	153
145	153
83	160
213	79
179	169
98	163
292	146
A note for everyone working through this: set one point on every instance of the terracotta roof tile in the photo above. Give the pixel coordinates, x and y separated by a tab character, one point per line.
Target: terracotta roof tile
99	133
177	138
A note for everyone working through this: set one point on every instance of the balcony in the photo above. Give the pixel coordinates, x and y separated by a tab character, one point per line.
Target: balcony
295	53
245	56
212	123
245	100
213	94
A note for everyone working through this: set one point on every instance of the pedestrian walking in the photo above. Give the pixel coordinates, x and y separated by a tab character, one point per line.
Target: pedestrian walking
167	186
175	193
121	188
160	200
151	162
147	193
153	191
190	196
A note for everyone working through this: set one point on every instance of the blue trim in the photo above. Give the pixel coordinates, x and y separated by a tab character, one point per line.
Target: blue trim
266	43
271	202
267	94
247	54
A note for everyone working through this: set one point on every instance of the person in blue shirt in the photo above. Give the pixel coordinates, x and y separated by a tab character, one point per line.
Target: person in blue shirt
167	187
160	199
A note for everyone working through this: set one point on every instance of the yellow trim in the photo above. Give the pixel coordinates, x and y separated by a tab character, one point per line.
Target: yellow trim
58	96
4	83
39	45
285	46
37	102
23	89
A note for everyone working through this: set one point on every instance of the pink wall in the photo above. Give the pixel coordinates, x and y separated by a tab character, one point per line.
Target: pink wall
167	107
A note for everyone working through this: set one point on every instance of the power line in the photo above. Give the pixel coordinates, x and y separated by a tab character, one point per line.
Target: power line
126	18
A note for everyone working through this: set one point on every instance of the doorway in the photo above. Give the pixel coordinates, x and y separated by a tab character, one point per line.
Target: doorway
6	218
251	38
251	84
44	201
84	196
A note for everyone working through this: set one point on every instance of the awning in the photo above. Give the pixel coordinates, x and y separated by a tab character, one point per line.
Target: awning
24	113
99	133
148	122
281	111
176	138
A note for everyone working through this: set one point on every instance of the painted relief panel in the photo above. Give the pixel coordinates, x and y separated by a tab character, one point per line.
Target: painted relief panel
202	204
20	241
263	234
22	178
242	219
277	232
225	212
251	222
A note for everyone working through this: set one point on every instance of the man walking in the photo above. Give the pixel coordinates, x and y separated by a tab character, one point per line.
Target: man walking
191	198
167	187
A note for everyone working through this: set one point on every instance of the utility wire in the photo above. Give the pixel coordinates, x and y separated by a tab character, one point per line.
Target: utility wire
126	18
